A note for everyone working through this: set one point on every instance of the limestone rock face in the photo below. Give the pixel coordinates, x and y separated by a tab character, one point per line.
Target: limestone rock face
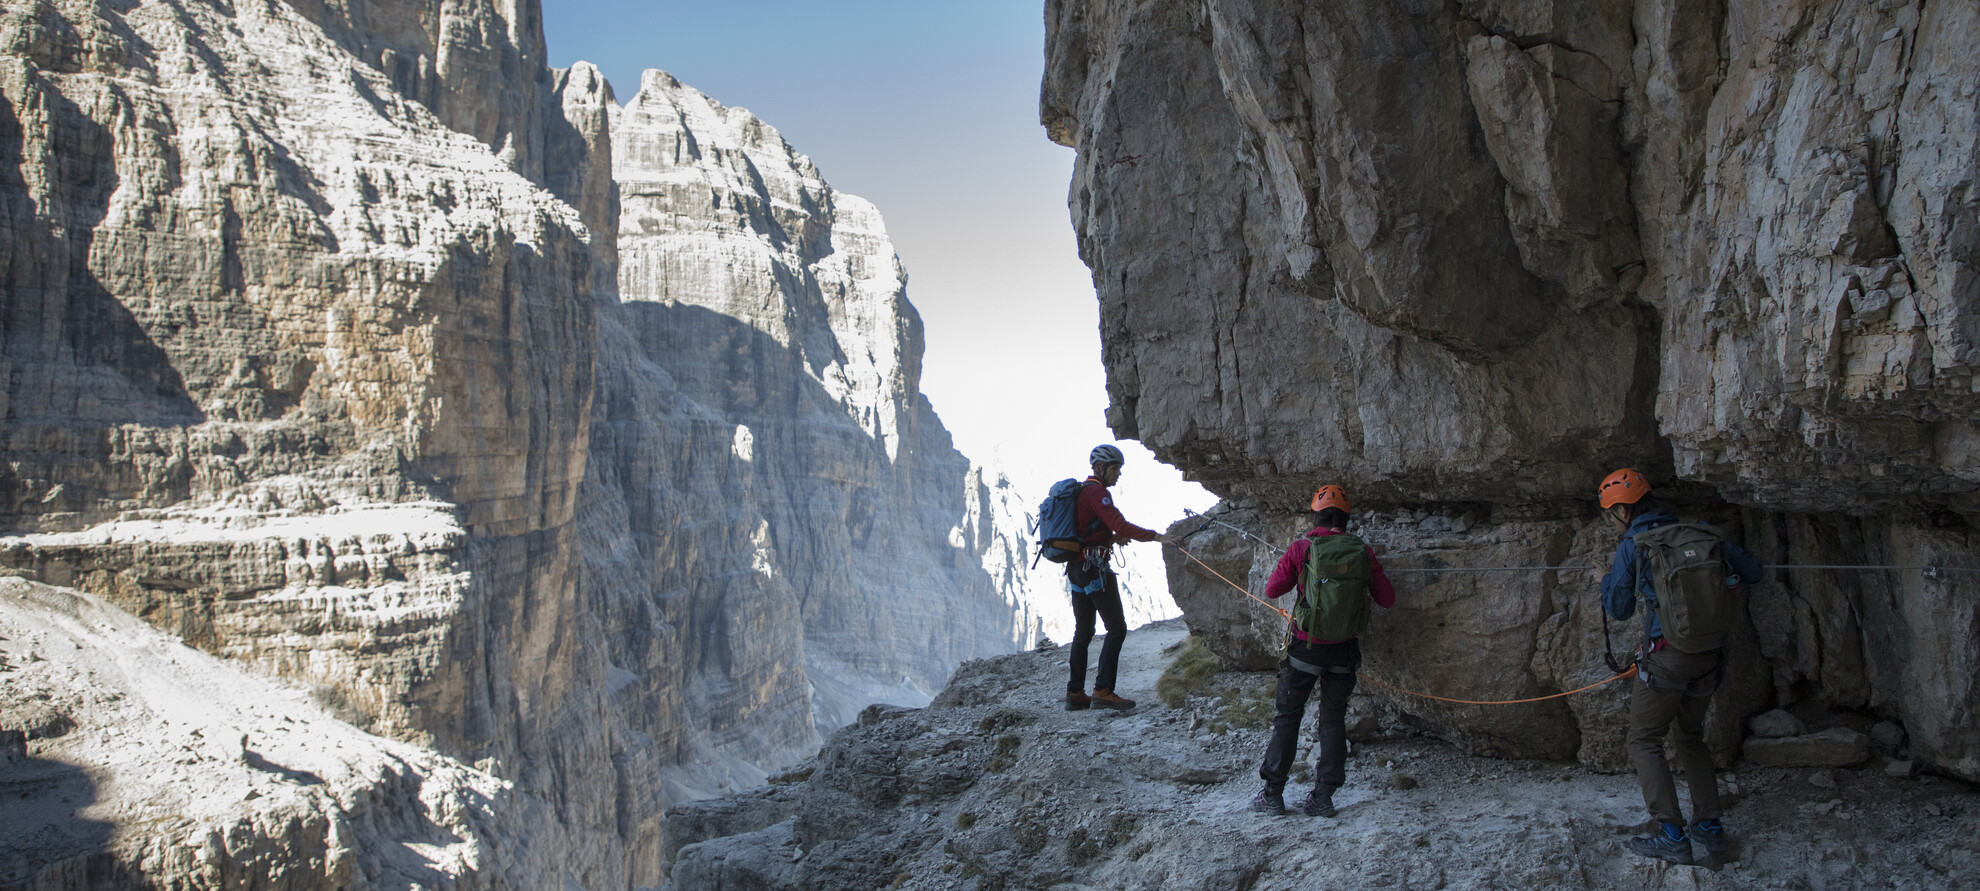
777	308
1465	259
257	387
762	460
478	66
312	355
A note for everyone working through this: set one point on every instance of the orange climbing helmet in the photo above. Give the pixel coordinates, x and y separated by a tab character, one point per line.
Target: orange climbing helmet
1330	496
1625	486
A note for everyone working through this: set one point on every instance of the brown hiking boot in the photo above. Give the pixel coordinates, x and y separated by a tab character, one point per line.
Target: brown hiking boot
1077	701
1107	699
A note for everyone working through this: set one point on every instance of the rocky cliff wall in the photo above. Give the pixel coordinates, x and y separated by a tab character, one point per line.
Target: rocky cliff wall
1466	258
302	376
325	372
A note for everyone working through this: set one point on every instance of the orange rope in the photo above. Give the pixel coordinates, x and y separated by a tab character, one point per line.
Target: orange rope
1268	604
1628	672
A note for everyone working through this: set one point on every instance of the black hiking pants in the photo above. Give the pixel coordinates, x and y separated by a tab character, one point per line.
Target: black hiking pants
1105	602
1337	664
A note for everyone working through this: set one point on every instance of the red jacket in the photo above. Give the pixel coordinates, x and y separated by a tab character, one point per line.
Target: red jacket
1096	503
1285	577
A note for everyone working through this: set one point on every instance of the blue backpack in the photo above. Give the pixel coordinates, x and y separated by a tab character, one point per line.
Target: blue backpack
1058	523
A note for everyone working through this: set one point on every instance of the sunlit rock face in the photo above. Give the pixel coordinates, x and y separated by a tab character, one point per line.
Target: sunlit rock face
478	66
312	356
764	473
770	374
1467	258
298	374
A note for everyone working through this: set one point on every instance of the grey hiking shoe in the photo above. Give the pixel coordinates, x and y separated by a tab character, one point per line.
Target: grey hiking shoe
1318	803
1269	801
1663	846
1710	835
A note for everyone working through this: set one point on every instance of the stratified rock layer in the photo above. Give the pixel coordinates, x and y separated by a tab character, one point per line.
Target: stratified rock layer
1467	258
312	354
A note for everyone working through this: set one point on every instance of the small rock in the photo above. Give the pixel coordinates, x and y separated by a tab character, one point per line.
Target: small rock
1822	779
1886	735
1402	781
1900	769
1777	724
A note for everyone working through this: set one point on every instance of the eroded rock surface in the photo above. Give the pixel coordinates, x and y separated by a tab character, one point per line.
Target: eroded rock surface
1465	259
140	758
995	785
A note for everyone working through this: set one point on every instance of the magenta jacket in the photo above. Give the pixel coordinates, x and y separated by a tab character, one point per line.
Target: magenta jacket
1285	577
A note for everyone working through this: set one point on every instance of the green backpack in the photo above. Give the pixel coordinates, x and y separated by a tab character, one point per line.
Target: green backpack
1687	571
1333	588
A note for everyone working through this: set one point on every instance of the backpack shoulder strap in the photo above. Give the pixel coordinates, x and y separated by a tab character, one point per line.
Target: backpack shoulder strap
1095	522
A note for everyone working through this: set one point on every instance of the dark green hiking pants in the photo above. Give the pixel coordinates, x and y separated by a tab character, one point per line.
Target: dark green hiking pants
1672	694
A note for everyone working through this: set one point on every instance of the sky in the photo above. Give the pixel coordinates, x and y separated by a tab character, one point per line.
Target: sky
929	109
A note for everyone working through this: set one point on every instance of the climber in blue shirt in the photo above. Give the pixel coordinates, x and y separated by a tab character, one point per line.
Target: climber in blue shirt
1676	679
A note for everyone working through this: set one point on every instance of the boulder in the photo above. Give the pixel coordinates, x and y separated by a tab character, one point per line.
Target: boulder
1777	724
1834	747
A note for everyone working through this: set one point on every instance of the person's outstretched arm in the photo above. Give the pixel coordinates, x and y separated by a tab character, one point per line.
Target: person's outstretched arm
1619	586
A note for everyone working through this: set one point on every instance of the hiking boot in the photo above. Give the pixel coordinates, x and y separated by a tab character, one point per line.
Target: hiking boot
1107	699
1269	801
1667	843
1710	835
1319	802
1077	701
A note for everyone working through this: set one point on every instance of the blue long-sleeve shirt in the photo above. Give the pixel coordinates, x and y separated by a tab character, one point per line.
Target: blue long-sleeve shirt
1627	575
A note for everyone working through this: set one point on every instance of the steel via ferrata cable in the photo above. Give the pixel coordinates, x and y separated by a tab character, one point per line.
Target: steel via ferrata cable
1275	608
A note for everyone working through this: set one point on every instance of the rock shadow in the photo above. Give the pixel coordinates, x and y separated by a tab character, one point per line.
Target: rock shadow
77	356
75	362
260	762
44	841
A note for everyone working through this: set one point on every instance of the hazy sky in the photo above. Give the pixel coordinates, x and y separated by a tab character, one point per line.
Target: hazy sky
929	109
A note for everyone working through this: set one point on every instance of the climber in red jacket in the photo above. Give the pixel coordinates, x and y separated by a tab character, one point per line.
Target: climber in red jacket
1093	585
